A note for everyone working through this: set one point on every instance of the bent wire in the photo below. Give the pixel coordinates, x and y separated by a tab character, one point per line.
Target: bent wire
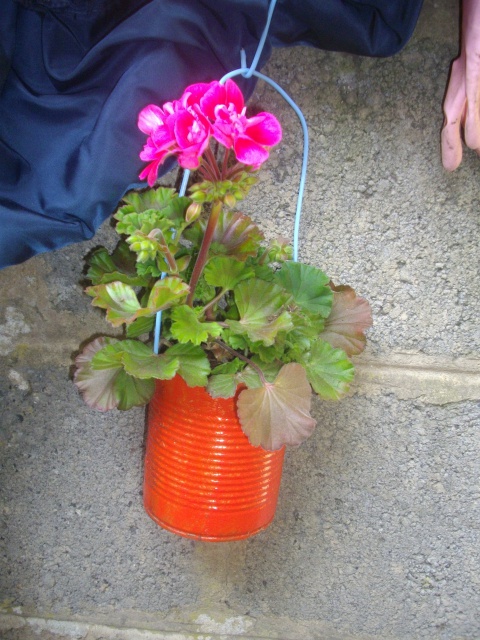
247	72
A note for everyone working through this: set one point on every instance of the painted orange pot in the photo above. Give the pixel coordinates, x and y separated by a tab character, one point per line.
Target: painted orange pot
203	478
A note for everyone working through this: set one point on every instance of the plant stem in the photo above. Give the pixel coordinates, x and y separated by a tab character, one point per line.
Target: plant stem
242	357
170	260
233	171
214	300
203	253
226	156
212	162
206	171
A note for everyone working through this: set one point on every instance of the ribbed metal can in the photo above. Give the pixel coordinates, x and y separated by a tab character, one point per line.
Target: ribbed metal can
203	478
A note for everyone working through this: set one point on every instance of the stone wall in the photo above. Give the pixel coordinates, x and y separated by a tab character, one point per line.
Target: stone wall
377	533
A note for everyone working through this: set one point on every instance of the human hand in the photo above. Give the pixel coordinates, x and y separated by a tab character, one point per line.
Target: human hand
462	100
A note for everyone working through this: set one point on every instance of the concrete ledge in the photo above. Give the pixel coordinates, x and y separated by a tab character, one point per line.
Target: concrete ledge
20	627
409	376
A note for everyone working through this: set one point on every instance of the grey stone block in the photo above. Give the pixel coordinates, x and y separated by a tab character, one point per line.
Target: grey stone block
377	530
376	533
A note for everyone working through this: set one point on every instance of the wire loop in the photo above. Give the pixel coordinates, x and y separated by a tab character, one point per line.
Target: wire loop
247	72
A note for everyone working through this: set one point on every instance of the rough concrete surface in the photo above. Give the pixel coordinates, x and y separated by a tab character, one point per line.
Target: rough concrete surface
377	533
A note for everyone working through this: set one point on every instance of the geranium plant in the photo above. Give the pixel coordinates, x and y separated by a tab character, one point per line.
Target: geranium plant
236	310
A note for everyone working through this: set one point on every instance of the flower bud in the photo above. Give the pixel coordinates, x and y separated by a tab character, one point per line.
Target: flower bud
199	196
193	212
230	200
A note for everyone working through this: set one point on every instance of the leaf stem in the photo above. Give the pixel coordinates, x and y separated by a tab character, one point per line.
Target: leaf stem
203	253
214	300
242	357
170	260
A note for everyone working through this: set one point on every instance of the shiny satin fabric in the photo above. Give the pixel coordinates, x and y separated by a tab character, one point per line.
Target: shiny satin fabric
75	73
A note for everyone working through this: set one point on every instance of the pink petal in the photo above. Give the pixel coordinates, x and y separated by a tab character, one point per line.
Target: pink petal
194	92
150	118
191	129
249	152
162	138
183	123
265	129
223	135
150	172
149	151
212	98
188	160
234	96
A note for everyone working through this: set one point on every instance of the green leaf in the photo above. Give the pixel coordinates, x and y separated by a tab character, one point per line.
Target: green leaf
262	271
97	386
144	364
329	371
120	267
133	392
249	376
203	291
137	359
350	317
166	292
194	366
235	235
278	413
226	377
268	354
149	269
306	328
223	385
140	326
307	285
261	308
232	366
226	272
237	342
101	378
149	199
122	305
280	250
223	381
119	299
186	326
144	210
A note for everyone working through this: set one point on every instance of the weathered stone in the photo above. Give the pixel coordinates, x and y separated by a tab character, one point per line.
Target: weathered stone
376	534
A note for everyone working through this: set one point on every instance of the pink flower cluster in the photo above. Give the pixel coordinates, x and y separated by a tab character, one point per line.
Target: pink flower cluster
205	110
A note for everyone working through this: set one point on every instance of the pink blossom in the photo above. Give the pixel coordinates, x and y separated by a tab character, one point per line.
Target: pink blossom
225	107
177	129
184	128
192	134
159	125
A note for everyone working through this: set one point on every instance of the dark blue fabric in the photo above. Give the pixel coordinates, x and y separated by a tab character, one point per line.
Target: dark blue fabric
75	73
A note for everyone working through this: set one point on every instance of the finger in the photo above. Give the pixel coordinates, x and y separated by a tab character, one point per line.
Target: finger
472	120
454	109
451	146
471	39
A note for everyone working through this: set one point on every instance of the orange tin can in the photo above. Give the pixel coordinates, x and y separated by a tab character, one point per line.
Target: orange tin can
203	478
